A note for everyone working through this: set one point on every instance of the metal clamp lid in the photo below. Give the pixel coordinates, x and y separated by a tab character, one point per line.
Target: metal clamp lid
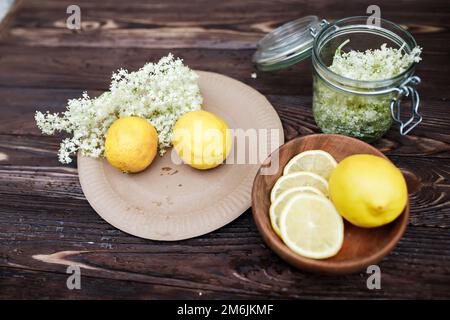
407	89
287	44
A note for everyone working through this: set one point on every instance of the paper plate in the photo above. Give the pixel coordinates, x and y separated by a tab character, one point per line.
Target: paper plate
171	201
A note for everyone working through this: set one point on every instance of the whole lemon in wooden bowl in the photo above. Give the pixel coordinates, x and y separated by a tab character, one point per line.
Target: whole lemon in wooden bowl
304	228
368	191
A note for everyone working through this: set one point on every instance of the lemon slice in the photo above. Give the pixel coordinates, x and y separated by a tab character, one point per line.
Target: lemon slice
277	207
316	161
311	227
299	179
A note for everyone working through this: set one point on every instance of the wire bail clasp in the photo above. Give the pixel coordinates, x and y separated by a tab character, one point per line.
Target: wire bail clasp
407	89
315	30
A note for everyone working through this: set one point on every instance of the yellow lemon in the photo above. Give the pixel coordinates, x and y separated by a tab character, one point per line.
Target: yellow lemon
317	161
131	144
311	227
299	179
368	191
201	139
280	202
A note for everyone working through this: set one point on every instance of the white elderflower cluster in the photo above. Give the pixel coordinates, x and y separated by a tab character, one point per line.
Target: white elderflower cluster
159	92
364	117
377	64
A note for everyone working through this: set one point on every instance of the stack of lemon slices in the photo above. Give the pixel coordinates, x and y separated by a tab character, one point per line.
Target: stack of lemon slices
301	212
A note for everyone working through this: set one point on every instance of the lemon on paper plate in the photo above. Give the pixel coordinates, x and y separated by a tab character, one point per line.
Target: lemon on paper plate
317	161
311	227
131	144
201	139
368	191
299	179
280	202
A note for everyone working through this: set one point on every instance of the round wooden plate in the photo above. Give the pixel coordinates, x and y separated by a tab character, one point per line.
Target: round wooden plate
362	247
171	201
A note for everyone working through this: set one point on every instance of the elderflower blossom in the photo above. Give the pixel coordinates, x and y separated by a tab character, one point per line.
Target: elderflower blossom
159	92
377	64
366	117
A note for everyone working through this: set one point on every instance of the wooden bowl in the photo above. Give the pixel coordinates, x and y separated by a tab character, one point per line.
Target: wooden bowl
362	247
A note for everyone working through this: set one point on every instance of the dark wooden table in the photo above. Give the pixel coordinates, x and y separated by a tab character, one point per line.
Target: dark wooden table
46	222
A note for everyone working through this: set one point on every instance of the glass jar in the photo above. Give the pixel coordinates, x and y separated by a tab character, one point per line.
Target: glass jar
361	109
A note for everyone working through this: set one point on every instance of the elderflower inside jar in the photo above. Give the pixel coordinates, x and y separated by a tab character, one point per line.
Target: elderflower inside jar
361	72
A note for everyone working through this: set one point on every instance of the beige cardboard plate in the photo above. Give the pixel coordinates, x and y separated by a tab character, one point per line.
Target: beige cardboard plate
171	201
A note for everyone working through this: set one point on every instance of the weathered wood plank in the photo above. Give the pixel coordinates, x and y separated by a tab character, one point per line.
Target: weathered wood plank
238	264
30	170
231	24
234	12
46	223
14	279
431	138
91	69
109	34
8	10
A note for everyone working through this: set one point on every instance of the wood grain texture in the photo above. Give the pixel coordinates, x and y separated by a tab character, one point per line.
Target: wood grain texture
45	221
8	10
